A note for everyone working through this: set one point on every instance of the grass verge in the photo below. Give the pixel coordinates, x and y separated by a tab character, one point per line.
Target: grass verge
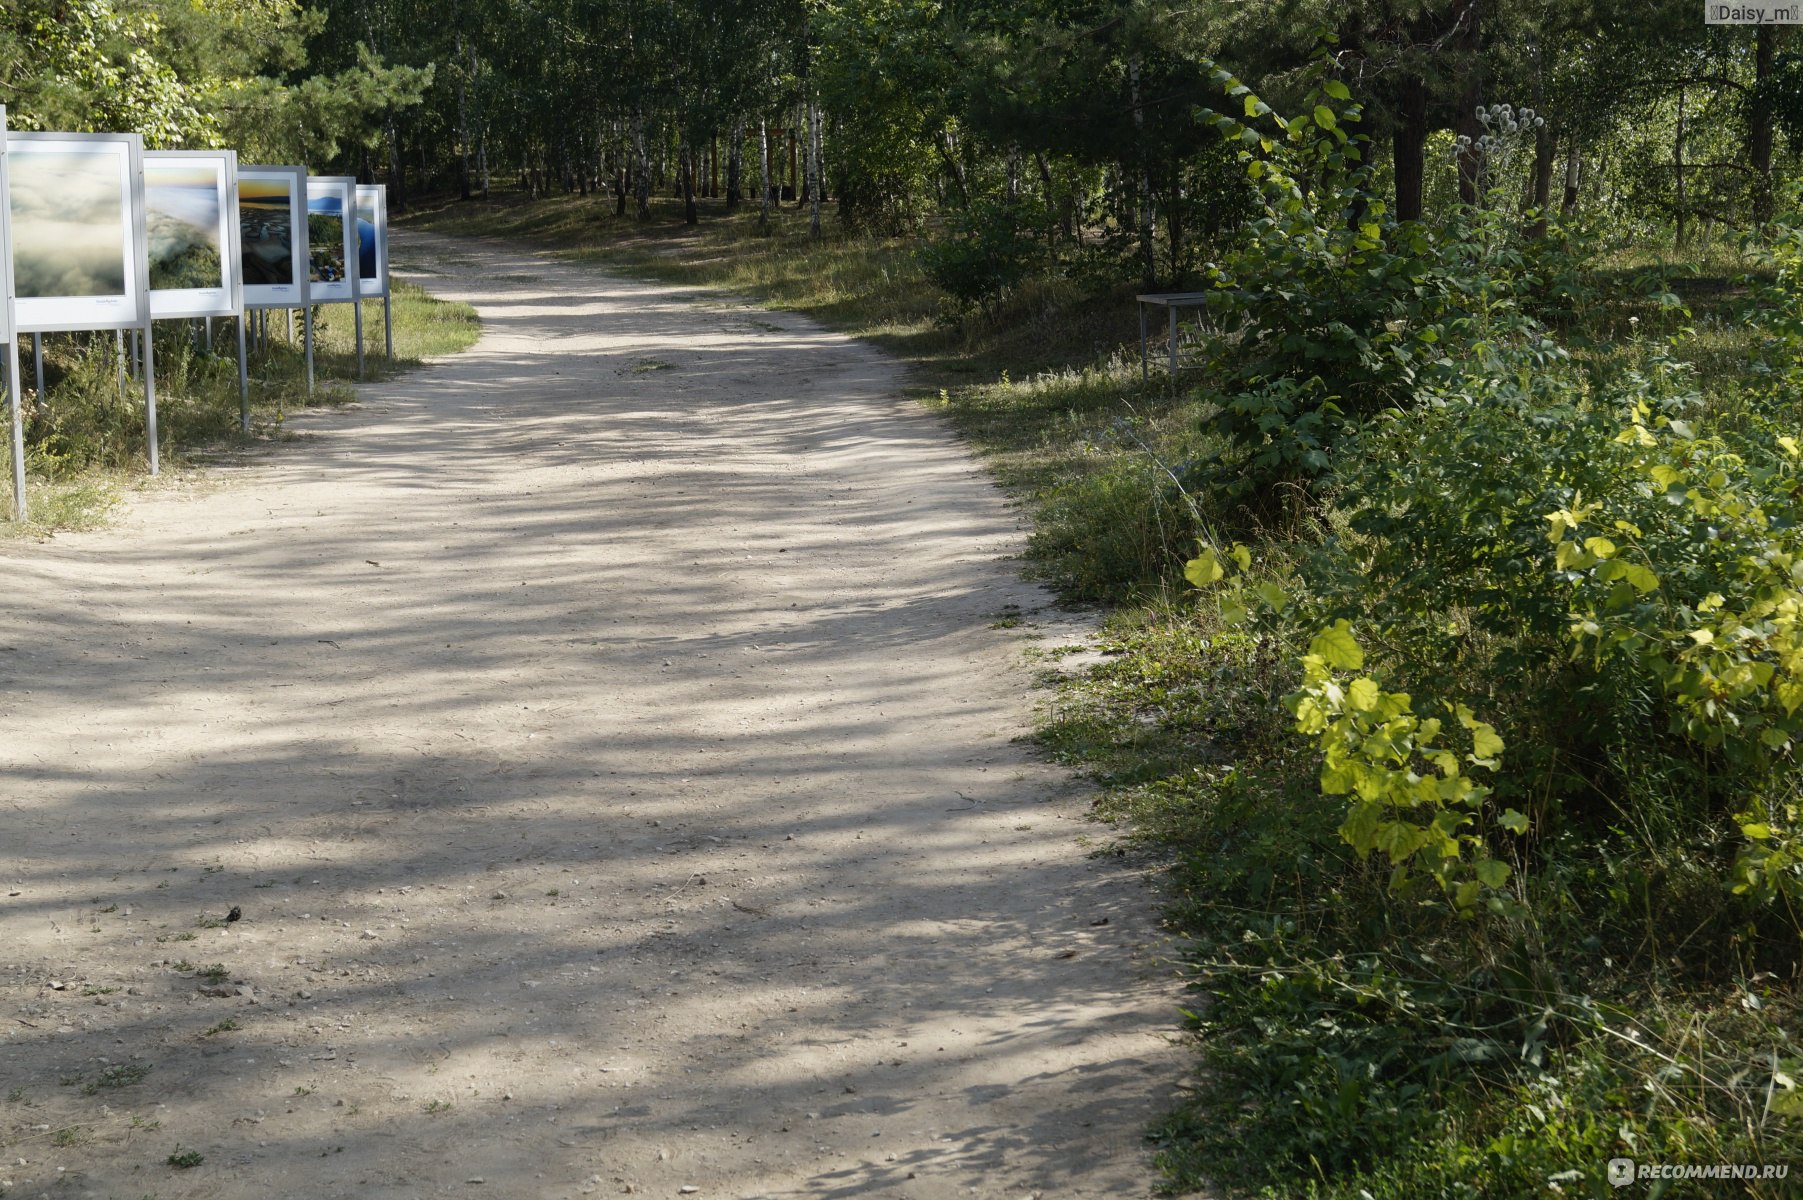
85	439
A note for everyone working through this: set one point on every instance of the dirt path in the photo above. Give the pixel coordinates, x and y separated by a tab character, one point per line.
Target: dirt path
606	737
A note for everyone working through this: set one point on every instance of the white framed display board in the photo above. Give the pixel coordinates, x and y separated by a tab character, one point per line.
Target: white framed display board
6	249
372	240
272	224
331	239
15	388
192	231
76	207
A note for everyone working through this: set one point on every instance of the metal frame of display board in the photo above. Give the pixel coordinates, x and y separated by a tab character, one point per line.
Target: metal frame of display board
128	309
227	300
294	294
15	388
372	286
343	188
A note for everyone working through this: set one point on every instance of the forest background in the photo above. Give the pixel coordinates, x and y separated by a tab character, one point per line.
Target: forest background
1474	758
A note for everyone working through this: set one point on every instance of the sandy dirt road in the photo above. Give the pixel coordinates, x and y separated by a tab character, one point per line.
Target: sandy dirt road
607	739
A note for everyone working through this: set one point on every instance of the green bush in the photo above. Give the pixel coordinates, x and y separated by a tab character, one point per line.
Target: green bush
988	252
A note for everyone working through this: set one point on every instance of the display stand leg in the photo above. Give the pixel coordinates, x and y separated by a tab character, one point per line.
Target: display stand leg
357	308
15	394
150	401
307	324
1144	332
119	336
291	327
1173	349
208	323
37	353
387	327
243	382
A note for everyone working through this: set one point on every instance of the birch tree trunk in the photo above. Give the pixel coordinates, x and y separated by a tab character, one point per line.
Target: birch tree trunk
813	115
763	173
641	164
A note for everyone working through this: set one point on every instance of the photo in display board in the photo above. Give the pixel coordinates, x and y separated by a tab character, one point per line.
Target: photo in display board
192	226
331	239
76	211
372	240
272	234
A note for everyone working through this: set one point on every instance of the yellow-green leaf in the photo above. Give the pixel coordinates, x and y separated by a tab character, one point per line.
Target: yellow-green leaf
1273	595
1602	547
1513	821
1337	647
1241	555
1336	89
1205	569
1324	117
1642	579
1363	695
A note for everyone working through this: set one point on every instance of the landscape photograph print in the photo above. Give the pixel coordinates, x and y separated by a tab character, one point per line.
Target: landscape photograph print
69	213
325	238
181	216
266	220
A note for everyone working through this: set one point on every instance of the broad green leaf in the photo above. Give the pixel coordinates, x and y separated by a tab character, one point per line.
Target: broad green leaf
1363	695
1241	555
1757	832
1205	569
1336	89
1491	873
1642	579
1324	117
1337	647
1513	821
1273	595
1233	613
1602	547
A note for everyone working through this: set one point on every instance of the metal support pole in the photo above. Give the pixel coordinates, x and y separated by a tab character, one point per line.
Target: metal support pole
243	381
15	394
290	326
37	351
357	307
208	322
119	338
388	326
307	323
1173	309
150	400
1144	334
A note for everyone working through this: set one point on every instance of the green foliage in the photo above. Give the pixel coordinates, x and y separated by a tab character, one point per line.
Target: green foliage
986	254
1408	794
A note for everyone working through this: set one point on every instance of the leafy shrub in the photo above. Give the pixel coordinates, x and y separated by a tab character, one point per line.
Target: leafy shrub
989	250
